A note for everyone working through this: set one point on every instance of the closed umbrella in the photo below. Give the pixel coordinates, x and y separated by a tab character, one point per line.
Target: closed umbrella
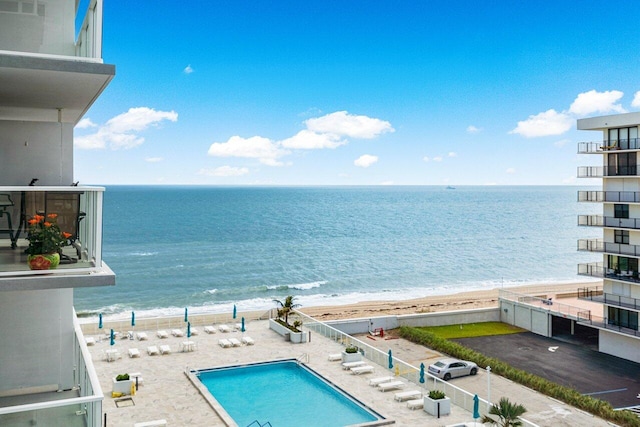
390	360
188	329
242	329
234	311
133	318
476	404
422	372
186	314
100	321
112	338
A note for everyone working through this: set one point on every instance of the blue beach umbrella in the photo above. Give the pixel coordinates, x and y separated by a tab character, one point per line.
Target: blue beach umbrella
390	360
422	372
133	318
100	321
188	329
186	314
242	329
234	311
476	405
112	338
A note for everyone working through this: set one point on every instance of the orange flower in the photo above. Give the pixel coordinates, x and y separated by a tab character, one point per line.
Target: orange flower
52	216
33	221
66	235
47	224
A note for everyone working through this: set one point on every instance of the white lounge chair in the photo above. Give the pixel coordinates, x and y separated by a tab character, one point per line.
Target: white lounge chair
154	423
152	350
142	336
177	333
90	341
162	334
407	395
375	381
165	349
248	340
238	326
391	385
111	355
335	357
349	365
135	375
224	328
224	343
365	369
210	329
194	331
133	352
235	342
415	404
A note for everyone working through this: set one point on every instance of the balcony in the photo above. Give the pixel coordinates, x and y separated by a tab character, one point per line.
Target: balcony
606	146
597	269
79	211
609	196
80	406
606	171
597	295
606	324
598	245
608	221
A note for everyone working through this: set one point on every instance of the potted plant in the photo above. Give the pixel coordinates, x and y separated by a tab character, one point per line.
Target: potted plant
46	241
281	323
122	384
437	403
351	353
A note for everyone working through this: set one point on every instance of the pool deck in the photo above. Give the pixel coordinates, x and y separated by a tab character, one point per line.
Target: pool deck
167	393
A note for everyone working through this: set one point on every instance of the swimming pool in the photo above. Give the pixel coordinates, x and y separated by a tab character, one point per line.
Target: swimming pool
283	393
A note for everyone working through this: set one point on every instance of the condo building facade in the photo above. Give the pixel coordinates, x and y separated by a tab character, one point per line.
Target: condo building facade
51	72
617	142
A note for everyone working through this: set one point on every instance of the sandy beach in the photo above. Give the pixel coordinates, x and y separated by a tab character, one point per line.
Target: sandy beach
458	301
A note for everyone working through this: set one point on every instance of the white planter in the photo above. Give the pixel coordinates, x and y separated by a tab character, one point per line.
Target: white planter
431	406
351	357
294	337
298	337
123	387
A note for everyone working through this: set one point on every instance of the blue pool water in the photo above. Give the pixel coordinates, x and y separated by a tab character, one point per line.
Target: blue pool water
284	394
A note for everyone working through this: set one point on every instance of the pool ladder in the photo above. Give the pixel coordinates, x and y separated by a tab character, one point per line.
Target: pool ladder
257	424
304	357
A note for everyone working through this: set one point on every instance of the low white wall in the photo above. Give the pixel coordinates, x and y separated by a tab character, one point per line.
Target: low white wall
620	345
525	316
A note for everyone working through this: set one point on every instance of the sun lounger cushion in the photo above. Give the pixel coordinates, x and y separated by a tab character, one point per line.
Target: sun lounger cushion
133	352
142	336
135	375
224	328
194	331
415	403
392	385
224	343
407	395
155	423
365	369
162	334
90	340
165	349
350	365
375	381
210	329
177	333
152	349
248	340
335	357
235	342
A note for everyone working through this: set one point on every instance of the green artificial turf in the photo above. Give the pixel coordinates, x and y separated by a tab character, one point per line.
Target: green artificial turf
474	330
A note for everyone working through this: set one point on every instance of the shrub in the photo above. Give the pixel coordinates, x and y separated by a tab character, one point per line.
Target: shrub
436	394
351	349
122	377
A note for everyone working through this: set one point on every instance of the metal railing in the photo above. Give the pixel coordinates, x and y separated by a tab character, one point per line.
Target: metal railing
602	171
600	147
605	323
552	306
598	295
608	221
598	245
609	196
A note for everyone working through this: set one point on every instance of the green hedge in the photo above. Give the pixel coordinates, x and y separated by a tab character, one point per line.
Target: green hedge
568	395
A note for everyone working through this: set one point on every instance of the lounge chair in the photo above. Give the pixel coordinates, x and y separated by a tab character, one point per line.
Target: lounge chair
365	369
248	340
188	346
224	343
375	381
177	333
133	352
136	376
238	326
154	423
162	334
391	385
194	331
224	328
165	349
90	341
349	365
415	404
142	336
210	329
235	342
335	357
111	355
407	395
152	350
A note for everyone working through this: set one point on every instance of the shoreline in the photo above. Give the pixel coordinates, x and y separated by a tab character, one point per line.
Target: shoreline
436	303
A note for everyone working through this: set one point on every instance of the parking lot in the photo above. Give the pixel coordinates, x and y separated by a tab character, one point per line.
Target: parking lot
590	372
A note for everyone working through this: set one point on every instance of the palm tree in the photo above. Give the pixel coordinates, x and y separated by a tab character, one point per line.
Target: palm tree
286	307
506	412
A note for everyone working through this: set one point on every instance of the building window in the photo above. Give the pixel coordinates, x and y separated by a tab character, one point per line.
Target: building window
622	237
623	318
621	211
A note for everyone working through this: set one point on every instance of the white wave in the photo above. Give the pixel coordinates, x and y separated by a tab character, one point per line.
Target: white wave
143	253
211	291
298	286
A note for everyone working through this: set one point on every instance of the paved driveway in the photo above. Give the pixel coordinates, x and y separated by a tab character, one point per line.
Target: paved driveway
603	376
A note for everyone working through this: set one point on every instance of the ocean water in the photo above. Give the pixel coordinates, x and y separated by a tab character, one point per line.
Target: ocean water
208	248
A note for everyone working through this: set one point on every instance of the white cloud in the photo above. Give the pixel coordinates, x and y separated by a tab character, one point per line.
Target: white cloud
188	69
121	130
255	147
544	124
85	124
511	170
153	159
437	159
342	123
426	158
636	100
365	160
597	102
452	154
309	140
224	171
473	129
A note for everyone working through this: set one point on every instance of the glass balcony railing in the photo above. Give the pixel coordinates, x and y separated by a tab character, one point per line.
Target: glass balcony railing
79	213
600	147
43	27
598	245
608	221
607	171
597	269
609	196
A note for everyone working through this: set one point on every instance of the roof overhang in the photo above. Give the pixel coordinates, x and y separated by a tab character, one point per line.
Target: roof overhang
608	122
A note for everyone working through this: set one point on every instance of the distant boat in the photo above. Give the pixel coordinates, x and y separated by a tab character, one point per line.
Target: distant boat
450	187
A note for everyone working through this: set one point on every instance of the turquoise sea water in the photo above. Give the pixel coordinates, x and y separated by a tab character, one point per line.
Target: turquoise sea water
208	248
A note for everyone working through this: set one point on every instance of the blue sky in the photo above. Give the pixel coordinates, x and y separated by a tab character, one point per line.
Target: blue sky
356	92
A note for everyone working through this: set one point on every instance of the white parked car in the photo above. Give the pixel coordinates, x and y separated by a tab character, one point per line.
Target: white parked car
451	368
